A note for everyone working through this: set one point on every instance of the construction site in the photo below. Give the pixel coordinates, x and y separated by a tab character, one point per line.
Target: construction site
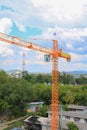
57	118
43	67
55	54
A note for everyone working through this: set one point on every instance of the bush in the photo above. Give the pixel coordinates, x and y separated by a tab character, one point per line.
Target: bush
72	126
43	110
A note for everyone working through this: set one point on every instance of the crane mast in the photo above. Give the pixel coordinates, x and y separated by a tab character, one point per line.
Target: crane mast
54	103
55	53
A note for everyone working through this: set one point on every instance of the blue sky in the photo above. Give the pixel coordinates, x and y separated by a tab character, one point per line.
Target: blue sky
41	19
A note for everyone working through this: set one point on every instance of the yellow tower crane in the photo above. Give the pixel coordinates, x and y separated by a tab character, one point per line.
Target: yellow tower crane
55	53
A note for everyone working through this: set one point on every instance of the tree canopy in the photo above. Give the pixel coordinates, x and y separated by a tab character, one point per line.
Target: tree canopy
72	126
15	93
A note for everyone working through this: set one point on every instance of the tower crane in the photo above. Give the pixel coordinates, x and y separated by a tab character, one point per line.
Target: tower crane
55	53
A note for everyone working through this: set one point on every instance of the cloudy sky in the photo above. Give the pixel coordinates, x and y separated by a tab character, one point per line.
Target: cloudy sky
41	19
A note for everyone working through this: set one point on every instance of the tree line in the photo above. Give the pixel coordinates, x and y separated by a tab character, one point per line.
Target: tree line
64	78
15	93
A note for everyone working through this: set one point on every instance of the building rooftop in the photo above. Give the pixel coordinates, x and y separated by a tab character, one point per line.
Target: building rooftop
38	120
77	107
36	103
74	114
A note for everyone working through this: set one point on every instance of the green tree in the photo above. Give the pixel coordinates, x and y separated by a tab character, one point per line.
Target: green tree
41	92
81	80
40	78
3	105
14	94
43	110
72	126
66	78
45	94
69	98
3	77
18	96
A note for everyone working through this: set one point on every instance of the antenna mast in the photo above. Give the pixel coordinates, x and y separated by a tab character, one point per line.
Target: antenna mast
23	61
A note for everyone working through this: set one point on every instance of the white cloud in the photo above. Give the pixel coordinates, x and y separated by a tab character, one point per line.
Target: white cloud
60	10
21	27
5	50
5	27
8	62
72	66
78	62
67	33
69	46
80	49
67	18
40	58
78	58
39	13
69	39
75	33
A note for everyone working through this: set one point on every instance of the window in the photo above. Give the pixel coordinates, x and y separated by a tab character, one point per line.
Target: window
85	120
67	117
76	119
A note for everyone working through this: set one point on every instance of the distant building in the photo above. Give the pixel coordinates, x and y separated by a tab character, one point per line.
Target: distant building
35	105
78	75
15	73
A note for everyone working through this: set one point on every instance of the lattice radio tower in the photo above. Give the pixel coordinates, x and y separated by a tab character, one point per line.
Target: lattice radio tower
23	64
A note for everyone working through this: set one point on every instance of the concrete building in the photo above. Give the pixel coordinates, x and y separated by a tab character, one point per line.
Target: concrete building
77	108
78	118
44	123
35	105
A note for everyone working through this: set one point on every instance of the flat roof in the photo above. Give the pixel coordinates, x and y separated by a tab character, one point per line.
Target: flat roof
77	107
36	103
74	114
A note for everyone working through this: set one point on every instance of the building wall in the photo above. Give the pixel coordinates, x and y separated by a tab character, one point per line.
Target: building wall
85	111
35	106
74	119
45	127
